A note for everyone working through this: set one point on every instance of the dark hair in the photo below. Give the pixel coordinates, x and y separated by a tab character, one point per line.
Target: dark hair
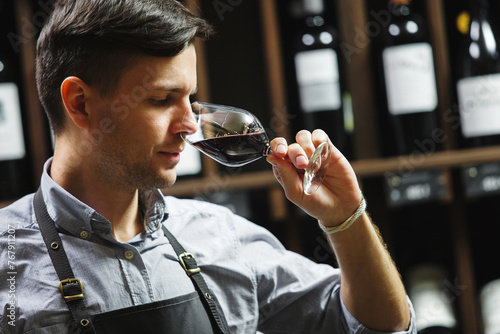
96	40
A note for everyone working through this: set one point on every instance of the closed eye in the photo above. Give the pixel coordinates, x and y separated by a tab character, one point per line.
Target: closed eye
160	102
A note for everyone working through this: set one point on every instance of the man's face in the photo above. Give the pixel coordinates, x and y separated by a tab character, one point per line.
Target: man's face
139	126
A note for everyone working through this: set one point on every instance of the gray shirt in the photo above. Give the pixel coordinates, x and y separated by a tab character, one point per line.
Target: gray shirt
260	285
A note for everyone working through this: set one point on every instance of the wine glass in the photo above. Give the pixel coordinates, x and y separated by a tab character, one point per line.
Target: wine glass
234	137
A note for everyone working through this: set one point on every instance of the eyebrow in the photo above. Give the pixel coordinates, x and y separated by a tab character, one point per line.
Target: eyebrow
167	88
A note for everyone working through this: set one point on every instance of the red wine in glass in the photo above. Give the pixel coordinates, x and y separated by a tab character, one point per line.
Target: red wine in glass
235	150
234	137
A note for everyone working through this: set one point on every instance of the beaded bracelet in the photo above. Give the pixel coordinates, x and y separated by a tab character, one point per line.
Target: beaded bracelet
349	221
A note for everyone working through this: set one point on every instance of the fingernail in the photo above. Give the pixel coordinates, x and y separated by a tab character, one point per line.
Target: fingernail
301	160
281	149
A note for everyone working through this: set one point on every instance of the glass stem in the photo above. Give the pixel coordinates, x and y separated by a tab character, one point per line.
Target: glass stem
267	151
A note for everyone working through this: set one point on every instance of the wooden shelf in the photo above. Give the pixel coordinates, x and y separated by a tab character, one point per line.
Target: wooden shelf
216	183
363	168
418	161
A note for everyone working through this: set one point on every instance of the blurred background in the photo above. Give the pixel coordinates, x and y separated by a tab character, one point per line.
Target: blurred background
408	90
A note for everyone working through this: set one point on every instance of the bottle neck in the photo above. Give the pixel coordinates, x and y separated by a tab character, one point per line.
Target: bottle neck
400	2
480	3
478	20
478	10
399	7
5	69
314	21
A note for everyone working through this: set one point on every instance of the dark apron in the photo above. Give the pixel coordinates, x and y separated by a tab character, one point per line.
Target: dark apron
194	313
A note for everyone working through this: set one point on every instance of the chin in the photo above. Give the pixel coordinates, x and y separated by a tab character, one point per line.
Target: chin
168	179
156	179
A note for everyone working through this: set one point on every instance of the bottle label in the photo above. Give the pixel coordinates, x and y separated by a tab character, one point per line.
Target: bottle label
479	105
482	180
420	186
11	127
432	308
313	7
427	289
409	78
490	307
318	79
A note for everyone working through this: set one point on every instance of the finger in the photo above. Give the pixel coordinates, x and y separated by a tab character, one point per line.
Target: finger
297	155
279	147
303	138
287	176
319	136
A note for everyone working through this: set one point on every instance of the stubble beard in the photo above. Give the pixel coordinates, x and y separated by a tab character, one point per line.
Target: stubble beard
116	169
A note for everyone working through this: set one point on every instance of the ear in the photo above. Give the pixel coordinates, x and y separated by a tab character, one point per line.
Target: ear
74	93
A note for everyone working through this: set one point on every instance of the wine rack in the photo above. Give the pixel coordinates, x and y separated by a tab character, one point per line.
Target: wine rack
269	89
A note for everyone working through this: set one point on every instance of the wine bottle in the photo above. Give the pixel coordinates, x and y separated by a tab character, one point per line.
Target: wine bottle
478	79
407	104
427	285
317	97
15	171
408	94
483	247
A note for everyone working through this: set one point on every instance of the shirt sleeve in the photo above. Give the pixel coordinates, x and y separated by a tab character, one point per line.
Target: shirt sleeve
295	294
356	327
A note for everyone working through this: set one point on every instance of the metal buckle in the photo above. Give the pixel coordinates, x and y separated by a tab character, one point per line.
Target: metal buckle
188	256
72	281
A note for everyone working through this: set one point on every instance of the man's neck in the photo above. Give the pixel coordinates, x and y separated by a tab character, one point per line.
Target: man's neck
119	206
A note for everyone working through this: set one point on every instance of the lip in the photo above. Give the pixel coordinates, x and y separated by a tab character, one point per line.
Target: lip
173	156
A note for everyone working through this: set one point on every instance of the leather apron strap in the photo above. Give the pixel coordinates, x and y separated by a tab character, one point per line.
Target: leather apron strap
72	289
189	264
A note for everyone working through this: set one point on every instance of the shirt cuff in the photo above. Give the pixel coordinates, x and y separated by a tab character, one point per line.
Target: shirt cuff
356	327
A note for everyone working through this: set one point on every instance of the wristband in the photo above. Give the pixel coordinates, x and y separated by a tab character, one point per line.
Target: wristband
349	221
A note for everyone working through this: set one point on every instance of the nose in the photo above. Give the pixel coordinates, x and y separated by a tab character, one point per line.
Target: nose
188	122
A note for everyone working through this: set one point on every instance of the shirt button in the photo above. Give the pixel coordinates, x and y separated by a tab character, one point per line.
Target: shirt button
84	234
129	254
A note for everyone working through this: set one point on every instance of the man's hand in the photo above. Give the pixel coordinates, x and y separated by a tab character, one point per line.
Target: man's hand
339	195
371	286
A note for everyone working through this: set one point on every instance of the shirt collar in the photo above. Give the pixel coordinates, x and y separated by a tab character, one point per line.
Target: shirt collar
74	216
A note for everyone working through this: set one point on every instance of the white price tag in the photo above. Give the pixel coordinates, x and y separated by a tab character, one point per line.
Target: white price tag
11	127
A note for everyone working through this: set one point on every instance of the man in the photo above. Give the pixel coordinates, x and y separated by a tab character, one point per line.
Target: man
99	249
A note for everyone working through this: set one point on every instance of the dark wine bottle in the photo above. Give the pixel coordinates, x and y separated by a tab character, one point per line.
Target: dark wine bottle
408	103
408	95
483	246
427	288
317	97
478	79
426	261
15	171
